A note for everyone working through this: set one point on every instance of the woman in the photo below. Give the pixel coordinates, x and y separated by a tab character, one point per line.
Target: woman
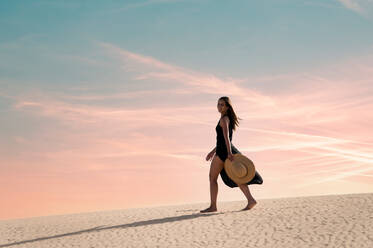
224	149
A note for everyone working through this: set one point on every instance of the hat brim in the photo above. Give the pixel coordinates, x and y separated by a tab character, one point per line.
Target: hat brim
239	158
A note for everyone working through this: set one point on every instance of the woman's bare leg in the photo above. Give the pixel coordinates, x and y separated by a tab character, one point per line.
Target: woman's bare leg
215	168
250	199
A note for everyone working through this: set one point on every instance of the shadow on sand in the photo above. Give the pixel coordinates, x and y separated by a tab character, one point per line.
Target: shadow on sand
133	224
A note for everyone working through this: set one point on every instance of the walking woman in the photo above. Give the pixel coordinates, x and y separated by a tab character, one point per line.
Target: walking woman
224	150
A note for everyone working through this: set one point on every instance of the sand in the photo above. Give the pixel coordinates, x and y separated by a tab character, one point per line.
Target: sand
315	221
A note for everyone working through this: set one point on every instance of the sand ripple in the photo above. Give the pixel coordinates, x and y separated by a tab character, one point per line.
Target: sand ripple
317	221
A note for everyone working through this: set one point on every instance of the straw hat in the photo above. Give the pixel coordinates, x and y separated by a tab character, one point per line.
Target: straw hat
241	170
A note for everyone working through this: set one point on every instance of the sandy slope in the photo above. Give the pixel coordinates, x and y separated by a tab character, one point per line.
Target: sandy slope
317	221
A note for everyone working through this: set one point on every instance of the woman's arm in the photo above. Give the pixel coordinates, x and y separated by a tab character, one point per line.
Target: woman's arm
225	125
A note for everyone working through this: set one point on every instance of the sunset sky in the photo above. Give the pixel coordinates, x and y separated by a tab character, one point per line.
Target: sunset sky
112	104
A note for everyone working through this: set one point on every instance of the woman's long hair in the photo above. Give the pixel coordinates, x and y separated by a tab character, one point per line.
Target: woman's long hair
233	118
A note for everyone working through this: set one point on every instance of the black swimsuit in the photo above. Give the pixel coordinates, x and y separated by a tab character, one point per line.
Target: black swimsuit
222	153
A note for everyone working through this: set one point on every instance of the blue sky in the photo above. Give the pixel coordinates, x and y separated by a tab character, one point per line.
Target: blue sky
100	97
228	38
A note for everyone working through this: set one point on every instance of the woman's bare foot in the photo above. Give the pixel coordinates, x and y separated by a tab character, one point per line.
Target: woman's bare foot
209	209
250	205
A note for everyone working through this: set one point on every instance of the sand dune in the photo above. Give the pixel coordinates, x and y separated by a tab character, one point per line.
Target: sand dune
316	221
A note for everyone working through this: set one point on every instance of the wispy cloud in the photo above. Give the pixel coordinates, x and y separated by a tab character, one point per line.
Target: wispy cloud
83	113
352	5
151	68
347	172
362	7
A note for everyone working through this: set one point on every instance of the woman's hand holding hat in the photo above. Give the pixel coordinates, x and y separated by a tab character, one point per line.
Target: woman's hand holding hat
230	157
241	170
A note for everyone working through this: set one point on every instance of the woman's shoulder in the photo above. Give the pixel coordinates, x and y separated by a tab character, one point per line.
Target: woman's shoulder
224	119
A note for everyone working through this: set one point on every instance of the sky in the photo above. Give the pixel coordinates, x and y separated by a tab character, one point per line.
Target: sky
112	104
